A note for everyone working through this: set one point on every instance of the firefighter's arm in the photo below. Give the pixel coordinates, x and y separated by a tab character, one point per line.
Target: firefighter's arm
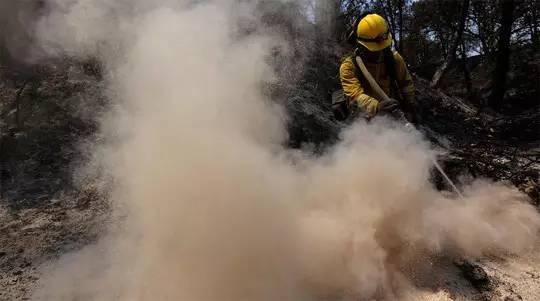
352	88
406	86
404	78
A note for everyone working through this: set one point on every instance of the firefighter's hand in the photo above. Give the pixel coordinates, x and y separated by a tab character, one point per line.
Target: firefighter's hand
389	105
371	106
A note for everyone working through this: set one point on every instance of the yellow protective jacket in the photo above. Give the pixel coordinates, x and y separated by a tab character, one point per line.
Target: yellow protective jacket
360	91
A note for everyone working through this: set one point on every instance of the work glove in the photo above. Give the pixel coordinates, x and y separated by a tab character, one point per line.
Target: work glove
370	105
410	110
389	105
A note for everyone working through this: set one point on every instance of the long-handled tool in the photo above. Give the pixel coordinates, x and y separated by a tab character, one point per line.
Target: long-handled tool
398	113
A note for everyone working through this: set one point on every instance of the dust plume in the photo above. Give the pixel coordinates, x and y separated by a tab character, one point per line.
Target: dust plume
213	205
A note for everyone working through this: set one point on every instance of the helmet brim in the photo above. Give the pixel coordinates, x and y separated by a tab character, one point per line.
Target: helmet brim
377	46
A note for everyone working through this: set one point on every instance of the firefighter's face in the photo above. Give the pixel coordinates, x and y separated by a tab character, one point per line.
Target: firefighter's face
372	56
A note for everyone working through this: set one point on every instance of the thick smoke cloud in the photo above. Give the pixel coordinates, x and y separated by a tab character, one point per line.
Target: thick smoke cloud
17	45
214	207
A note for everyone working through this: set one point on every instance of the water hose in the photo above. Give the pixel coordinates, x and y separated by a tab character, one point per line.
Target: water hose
375	86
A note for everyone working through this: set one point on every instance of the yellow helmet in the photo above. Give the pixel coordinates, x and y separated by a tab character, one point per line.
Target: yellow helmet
373	33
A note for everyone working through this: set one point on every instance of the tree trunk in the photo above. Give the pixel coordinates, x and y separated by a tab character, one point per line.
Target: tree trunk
533	25
503	55
400	9
390	17
466	71
476	6
451	56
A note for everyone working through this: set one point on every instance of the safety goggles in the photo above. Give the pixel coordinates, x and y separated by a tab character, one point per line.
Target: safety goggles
380	38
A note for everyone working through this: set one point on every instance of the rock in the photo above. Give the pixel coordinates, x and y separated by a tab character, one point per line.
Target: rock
475	274
25	265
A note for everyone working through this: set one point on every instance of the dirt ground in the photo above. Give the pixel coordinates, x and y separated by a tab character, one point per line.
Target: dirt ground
31	237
